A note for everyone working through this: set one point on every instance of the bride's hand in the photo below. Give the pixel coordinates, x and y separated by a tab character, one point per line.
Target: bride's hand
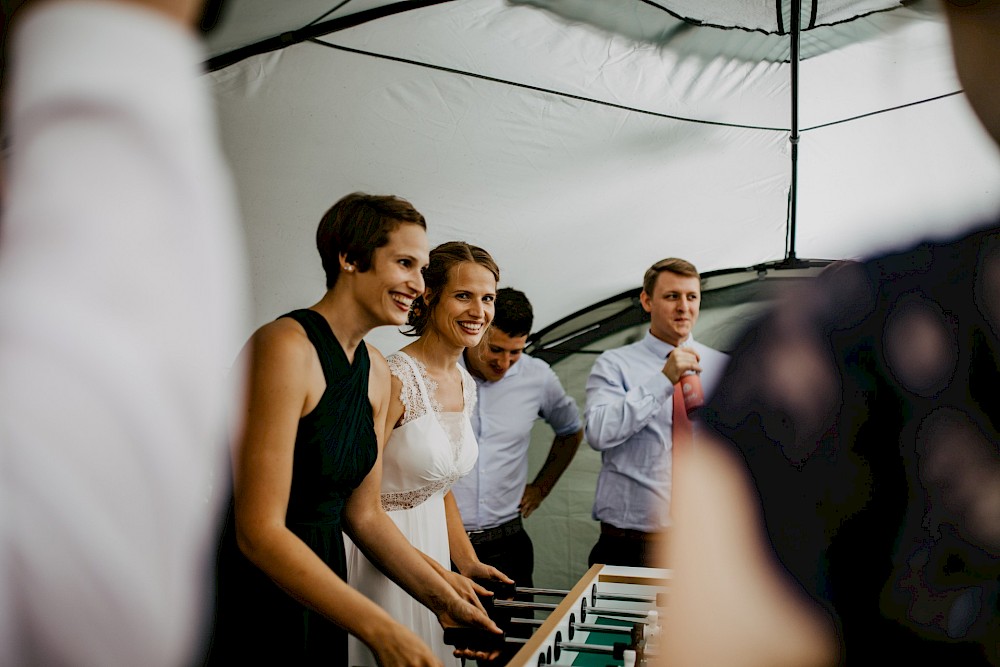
479	570
467	589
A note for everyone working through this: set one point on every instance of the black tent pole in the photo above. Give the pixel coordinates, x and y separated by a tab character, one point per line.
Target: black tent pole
794	137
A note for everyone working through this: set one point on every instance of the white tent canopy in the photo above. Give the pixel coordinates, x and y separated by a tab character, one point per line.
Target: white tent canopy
578	155
579	140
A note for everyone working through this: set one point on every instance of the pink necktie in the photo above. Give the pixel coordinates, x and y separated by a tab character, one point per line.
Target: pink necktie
682	434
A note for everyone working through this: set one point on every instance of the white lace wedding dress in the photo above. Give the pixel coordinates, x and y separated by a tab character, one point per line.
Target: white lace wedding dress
424	456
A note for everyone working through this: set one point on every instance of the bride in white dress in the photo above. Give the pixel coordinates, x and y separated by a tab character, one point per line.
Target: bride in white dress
431	444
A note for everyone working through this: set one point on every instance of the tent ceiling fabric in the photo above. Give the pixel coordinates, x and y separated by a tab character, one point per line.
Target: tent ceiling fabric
769	16
580	151
249	21
765	16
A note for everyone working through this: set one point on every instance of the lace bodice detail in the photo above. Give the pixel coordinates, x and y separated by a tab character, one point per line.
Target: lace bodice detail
407	368
430	449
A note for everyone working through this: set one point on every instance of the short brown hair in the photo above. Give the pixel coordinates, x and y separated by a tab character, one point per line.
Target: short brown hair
672	264
357	225
443	259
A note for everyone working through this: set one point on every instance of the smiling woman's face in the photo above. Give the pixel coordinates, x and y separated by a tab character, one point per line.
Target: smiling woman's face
465	307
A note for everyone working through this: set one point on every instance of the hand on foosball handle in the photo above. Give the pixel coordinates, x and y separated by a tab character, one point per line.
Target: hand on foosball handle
501	589
466	588
473	639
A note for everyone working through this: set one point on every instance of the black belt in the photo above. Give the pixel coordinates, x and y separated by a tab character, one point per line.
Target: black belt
512	527
630	534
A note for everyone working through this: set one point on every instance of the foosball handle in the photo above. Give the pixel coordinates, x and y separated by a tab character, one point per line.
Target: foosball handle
619	650
499	588
476	639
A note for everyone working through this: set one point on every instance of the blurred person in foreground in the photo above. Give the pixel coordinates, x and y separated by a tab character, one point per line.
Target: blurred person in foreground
122	297
846	505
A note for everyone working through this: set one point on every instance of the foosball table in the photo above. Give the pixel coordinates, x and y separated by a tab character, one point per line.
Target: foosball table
610	617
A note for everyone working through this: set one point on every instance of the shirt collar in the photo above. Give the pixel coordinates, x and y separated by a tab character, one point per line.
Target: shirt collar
659	347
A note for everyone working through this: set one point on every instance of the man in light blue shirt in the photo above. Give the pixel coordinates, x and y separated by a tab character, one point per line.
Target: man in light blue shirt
514	390
629	415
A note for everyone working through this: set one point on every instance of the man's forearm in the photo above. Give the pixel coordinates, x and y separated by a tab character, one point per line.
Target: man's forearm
560	456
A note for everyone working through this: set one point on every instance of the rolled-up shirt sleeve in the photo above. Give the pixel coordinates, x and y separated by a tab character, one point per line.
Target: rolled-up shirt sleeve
558	408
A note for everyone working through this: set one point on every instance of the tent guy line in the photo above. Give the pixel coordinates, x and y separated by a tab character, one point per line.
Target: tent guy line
315	28
549	91
882	111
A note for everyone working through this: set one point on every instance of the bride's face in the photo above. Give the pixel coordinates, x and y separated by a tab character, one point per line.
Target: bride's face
465	307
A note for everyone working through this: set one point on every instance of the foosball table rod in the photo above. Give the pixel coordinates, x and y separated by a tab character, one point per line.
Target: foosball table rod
503	590
660	599
629	653
635	631
637	616
651	617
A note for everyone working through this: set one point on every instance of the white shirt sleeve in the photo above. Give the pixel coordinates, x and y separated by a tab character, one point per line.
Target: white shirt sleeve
557	407
615	413
122	298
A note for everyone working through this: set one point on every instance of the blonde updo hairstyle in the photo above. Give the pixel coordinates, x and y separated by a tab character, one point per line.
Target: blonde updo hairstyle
442	260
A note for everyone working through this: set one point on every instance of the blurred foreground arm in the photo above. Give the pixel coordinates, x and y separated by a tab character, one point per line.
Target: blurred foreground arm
184	12
730	603
121	306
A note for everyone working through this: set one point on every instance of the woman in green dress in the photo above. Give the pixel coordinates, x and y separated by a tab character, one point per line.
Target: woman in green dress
307	464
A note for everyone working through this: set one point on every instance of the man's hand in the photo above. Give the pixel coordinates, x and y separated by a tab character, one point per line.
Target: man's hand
560	455
680	361
531	499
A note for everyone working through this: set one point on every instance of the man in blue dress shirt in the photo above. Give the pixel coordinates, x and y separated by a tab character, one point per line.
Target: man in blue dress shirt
629	415
514	390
